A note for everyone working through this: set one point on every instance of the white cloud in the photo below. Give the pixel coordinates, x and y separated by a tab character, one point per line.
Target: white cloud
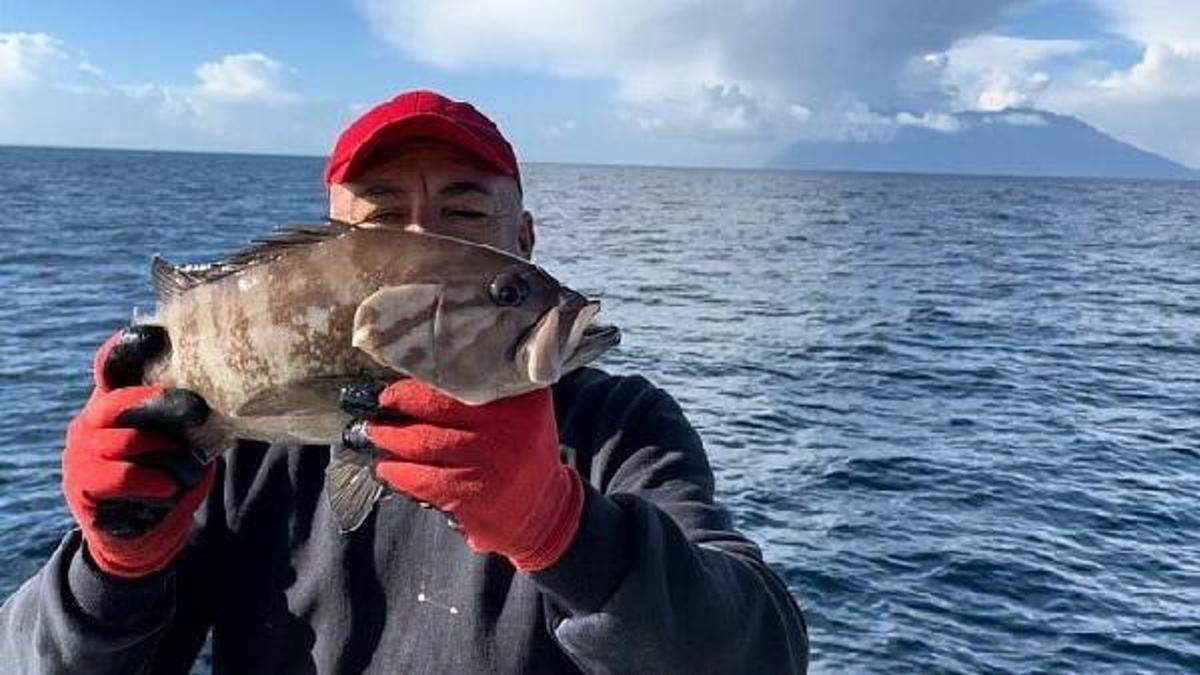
995	72
717	112
1165	71
90	68
1150	22
1002	91
24	56
243	76
1154	102
748	76
52	95
935	121
861	123
1021	119
768	71
1150	103
703	69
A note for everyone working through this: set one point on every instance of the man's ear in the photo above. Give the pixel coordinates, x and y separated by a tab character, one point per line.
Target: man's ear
526	238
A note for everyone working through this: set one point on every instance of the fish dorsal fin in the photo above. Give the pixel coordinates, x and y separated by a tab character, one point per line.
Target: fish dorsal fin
170	280
279	242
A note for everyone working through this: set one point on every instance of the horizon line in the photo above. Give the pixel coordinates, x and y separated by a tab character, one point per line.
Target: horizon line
618	165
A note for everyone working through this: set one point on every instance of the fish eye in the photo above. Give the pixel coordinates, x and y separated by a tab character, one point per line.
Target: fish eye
509	290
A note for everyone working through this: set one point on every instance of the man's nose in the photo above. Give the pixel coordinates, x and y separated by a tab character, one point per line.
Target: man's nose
423	218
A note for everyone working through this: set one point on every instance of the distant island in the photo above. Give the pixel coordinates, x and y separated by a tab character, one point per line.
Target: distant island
1017	141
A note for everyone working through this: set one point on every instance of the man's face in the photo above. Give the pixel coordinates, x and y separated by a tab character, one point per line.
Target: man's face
429	186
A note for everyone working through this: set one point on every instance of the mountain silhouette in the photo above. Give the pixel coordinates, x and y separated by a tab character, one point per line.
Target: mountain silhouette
1017	141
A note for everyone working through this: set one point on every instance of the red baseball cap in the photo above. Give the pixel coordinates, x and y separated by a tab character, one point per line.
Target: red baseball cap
420	113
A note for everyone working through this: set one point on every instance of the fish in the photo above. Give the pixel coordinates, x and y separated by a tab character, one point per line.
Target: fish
272	336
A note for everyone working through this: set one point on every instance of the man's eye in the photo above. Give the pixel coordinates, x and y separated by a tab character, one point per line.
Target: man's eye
383	217
465	213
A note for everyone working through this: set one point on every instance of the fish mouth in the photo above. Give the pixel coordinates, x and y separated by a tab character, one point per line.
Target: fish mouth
553	346
575	315
583	341
609	336
596	340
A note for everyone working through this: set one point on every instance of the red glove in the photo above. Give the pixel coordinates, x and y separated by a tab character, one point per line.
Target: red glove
494	467
128	479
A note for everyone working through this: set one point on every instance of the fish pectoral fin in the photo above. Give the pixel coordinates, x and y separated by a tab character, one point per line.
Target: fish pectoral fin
351	487
315	396
395	326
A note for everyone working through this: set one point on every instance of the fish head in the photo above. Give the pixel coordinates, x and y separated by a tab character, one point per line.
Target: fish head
504	331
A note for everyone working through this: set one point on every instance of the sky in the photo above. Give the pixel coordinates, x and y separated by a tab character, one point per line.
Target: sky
658	82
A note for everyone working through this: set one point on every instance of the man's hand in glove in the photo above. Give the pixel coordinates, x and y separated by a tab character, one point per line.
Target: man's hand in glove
495	468
129	479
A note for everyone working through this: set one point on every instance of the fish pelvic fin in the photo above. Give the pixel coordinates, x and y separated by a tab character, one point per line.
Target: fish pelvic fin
351	487
212	439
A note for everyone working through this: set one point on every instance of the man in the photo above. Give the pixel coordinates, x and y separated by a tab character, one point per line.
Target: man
571	530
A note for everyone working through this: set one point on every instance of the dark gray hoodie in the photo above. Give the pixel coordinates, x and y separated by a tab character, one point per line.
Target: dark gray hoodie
657	580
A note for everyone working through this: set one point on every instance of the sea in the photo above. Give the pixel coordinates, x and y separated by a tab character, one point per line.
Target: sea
960	415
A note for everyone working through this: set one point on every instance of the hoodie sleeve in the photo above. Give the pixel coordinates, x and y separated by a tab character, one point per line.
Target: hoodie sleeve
658	580
73	618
